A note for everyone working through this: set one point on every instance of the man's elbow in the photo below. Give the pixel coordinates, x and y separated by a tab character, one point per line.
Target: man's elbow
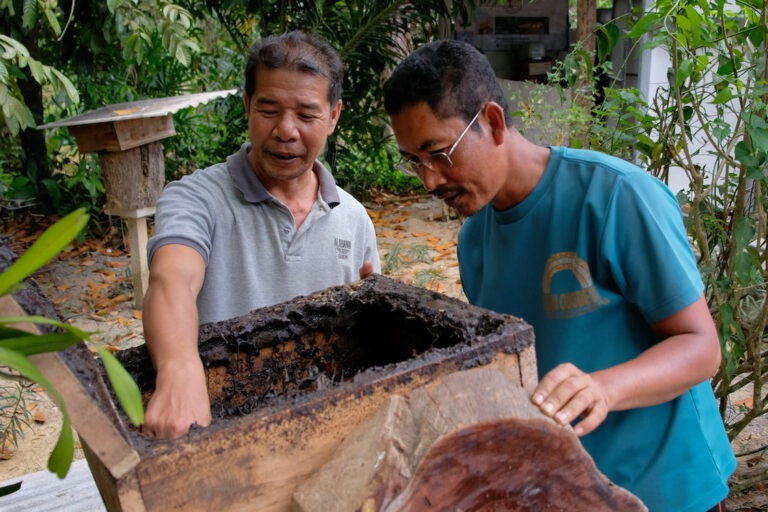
713	357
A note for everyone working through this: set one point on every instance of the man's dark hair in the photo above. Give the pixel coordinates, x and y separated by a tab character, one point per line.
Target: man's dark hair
452	77
296	51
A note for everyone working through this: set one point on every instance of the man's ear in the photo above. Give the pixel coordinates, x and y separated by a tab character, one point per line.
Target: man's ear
335	114
494	113
247	102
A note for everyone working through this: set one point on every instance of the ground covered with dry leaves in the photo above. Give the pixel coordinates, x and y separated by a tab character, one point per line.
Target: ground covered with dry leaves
90	283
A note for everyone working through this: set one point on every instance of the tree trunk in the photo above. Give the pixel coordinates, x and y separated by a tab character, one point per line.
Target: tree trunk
470	441
34	152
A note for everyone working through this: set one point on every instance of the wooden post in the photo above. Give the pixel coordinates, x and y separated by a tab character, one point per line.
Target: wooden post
134	173
136	221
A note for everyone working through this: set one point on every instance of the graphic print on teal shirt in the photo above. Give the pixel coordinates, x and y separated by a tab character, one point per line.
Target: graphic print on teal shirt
569	301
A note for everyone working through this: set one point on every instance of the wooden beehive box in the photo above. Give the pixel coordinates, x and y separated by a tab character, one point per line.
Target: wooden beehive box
287	384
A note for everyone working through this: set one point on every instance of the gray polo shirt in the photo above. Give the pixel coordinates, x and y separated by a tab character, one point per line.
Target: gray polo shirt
254	255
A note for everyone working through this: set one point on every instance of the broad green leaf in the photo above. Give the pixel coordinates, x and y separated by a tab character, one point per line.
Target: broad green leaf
695	22
743	154
644	139
723	96
12	47
125	388
607	37
684	24
758	131
684	70
37	344
744	233
61	456
756	35
182	55
47	321
29	14
52	21
68	86
743	268
112	5
4	78
726	68
36	67
50	243
644	25
720	129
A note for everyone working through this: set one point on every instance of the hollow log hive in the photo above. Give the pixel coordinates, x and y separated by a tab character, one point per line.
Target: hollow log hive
287	383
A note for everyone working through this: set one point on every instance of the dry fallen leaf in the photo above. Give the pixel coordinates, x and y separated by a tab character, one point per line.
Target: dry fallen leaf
747	402
117	264
7	452
39	417
137	315
64	287
62	300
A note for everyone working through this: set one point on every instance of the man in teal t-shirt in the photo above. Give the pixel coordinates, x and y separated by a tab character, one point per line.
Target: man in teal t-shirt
592	252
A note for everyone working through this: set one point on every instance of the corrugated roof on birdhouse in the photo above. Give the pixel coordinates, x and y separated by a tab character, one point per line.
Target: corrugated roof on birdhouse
125	126
155	107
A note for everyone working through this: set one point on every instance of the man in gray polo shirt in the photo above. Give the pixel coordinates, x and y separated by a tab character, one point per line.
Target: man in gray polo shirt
266	226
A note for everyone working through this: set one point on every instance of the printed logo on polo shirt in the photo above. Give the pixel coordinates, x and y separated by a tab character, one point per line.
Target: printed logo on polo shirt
567	287
343	248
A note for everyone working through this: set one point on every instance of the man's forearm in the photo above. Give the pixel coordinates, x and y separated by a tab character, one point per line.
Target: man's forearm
170	323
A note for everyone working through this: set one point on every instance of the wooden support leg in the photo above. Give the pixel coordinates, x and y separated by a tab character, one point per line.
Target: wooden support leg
137	234
136	221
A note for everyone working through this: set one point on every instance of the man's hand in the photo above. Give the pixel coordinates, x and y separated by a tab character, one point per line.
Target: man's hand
180	400
566	393
688	353
366	270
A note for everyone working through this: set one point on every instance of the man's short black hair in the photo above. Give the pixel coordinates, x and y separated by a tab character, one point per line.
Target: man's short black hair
296	51
452	77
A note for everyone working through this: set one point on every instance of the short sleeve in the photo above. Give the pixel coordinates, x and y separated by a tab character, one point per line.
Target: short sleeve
645	244
185	216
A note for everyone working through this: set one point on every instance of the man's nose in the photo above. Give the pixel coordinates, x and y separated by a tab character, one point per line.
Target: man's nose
432	178
286	127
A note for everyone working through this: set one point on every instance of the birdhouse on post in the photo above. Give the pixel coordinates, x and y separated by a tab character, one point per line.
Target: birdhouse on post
126	136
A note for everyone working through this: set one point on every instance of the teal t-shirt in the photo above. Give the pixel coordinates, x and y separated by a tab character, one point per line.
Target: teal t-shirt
590	258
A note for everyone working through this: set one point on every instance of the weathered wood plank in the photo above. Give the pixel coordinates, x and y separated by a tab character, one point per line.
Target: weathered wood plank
122	135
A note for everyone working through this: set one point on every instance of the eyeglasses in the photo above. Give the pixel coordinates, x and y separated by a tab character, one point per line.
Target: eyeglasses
415	167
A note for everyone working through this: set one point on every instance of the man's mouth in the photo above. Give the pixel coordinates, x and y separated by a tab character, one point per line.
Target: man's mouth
448	196
287	157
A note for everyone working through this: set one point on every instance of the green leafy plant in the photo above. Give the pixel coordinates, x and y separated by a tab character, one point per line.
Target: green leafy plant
429	278
17	345
14	414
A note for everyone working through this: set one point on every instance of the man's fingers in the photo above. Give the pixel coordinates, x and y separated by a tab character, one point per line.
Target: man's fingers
366	270
566	393
591	420
556	388
583	403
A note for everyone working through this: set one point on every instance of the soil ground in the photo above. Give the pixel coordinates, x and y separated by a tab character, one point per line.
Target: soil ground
90	284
